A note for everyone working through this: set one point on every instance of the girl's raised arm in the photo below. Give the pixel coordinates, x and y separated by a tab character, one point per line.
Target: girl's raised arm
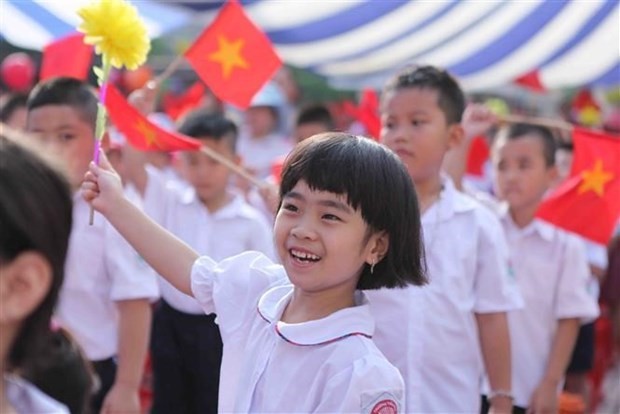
168	255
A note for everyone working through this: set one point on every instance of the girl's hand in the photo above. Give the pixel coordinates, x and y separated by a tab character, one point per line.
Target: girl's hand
545	399
102	186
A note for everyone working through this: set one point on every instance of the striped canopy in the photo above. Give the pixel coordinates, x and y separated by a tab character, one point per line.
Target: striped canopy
354	43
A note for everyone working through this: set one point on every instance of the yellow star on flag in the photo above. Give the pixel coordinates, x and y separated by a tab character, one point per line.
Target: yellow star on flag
595	179
228	55
149	134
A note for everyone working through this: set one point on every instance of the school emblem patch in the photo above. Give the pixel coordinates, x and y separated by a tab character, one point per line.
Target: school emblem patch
382	403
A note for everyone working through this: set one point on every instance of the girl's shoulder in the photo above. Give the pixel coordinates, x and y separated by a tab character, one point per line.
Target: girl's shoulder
26	398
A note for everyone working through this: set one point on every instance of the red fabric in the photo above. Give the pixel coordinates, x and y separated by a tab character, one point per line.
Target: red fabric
236	76
580	206
366	112
177	106
531	80
68	56
139	131
477	156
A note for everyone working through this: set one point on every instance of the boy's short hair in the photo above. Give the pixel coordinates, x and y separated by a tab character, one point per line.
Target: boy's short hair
451	99
66	91
202	123
315	113
377	184
10	104
516	131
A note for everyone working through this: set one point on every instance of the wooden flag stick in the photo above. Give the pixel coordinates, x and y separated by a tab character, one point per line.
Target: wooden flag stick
544	122
172	67
232	166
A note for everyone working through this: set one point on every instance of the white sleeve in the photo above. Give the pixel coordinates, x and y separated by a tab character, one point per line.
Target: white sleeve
573	299
130	277
232	287
370	385
496	287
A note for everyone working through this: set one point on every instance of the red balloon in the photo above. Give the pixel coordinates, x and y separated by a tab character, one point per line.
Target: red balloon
136	79
18	71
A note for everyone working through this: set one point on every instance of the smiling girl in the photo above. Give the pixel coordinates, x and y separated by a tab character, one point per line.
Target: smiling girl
297	335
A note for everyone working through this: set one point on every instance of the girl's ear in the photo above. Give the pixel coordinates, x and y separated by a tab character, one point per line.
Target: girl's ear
378	247
24	283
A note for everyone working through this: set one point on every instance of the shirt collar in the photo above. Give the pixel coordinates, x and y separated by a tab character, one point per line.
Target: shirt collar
450	202
339	325
537	226
234	207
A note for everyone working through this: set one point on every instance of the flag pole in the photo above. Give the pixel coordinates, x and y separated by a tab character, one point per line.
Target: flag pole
232	166
172	67
544	122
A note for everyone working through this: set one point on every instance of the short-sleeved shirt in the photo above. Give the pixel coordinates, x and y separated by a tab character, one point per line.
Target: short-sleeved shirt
551	269
233	229
430	333
28	399
101	269
325	365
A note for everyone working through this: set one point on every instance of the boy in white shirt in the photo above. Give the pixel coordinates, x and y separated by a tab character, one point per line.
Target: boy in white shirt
443	337
550	267
186	347
105	298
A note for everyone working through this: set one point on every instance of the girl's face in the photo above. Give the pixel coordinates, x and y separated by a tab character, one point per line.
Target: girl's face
322	241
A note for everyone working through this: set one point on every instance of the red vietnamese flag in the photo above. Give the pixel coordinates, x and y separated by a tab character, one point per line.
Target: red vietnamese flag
588	202
68	56
477	156
233	56
139	131
177	106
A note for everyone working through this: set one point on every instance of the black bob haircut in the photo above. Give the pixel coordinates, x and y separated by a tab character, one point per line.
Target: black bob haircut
202	123
545	136
66	91
377	184
451	99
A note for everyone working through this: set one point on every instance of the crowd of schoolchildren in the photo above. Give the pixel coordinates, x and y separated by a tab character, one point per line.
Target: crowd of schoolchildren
361	277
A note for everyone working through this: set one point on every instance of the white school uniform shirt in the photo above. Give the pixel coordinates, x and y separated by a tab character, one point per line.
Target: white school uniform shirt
25	398
101	269
552	272
467	267
326	365
233	229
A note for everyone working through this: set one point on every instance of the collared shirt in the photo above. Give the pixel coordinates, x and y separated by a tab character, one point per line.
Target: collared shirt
552	272
325	365
101	269
233	229
430	333
25	398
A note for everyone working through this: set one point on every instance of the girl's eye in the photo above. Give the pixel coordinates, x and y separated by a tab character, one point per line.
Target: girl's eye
289	207
417	122
331	217
67	137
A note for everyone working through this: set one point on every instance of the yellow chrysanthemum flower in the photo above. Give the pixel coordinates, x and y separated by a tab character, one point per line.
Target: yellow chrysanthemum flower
116	30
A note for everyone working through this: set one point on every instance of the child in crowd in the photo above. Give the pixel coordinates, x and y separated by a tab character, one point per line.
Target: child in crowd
443	337
186	347
35	218
262	141
549	264
104	302
297	335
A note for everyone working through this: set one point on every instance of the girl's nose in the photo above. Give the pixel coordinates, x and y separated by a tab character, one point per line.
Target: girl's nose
303	231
